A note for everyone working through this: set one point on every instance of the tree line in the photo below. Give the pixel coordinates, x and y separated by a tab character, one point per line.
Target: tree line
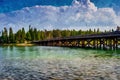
8	36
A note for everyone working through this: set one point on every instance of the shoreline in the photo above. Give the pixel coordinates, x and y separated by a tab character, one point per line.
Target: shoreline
18	44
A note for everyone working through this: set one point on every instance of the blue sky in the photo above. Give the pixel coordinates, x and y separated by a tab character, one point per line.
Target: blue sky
12	5
62	14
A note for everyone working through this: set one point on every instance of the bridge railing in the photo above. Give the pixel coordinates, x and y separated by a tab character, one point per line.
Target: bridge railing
109	39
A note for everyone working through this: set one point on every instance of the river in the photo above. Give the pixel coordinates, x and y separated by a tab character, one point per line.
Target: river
58	63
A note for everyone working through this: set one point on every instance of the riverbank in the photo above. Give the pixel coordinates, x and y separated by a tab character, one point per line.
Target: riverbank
18	44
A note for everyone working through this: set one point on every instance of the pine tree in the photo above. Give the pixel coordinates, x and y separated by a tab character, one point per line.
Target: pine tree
90	31
67	33
42	35
38	35
35	34
28	36
18	36
23	35
5	36
11	36
2	37
79	32
56	33
73	32
94	31
31	33
98	31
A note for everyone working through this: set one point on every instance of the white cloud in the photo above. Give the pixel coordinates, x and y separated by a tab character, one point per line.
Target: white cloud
79	14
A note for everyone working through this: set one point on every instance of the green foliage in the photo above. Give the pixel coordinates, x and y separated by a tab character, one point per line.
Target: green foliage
33	34
49	34
38	35
5	36
11	36
18	36
56	33
28	36
23	35
42	36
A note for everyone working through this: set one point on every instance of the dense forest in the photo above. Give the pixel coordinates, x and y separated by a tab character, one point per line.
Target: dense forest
8	36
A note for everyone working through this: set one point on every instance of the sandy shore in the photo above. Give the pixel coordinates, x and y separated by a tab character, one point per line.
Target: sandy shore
30	44
20	44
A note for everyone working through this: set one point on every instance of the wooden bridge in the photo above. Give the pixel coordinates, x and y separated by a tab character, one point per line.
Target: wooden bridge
109	40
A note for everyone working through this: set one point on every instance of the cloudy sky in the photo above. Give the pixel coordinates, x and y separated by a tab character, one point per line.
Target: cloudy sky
60	14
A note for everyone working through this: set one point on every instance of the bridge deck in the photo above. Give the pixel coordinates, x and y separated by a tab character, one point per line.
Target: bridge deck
103	40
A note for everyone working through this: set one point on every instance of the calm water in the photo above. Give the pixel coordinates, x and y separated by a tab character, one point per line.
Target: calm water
18	63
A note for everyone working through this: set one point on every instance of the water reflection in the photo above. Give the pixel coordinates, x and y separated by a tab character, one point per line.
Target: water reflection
13	52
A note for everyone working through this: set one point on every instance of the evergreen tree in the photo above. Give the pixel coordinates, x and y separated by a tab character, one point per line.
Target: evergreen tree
5	36
98	31
38	35
79	32
35	34
31	33
67	33
90	31
42	35
49	34
2	37
56	33
23	35
11	36
28	36
112	30
18	36
73	32
94	31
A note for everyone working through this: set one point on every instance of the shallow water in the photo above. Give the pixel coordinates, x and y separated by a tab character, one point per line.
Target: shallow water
62	63
13	52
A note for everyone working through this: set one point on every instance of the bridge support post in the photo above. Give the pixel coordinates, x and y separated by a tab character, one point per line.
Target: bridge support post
100	43
115	43
110	44
83	43
97	46
94	45
104	43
